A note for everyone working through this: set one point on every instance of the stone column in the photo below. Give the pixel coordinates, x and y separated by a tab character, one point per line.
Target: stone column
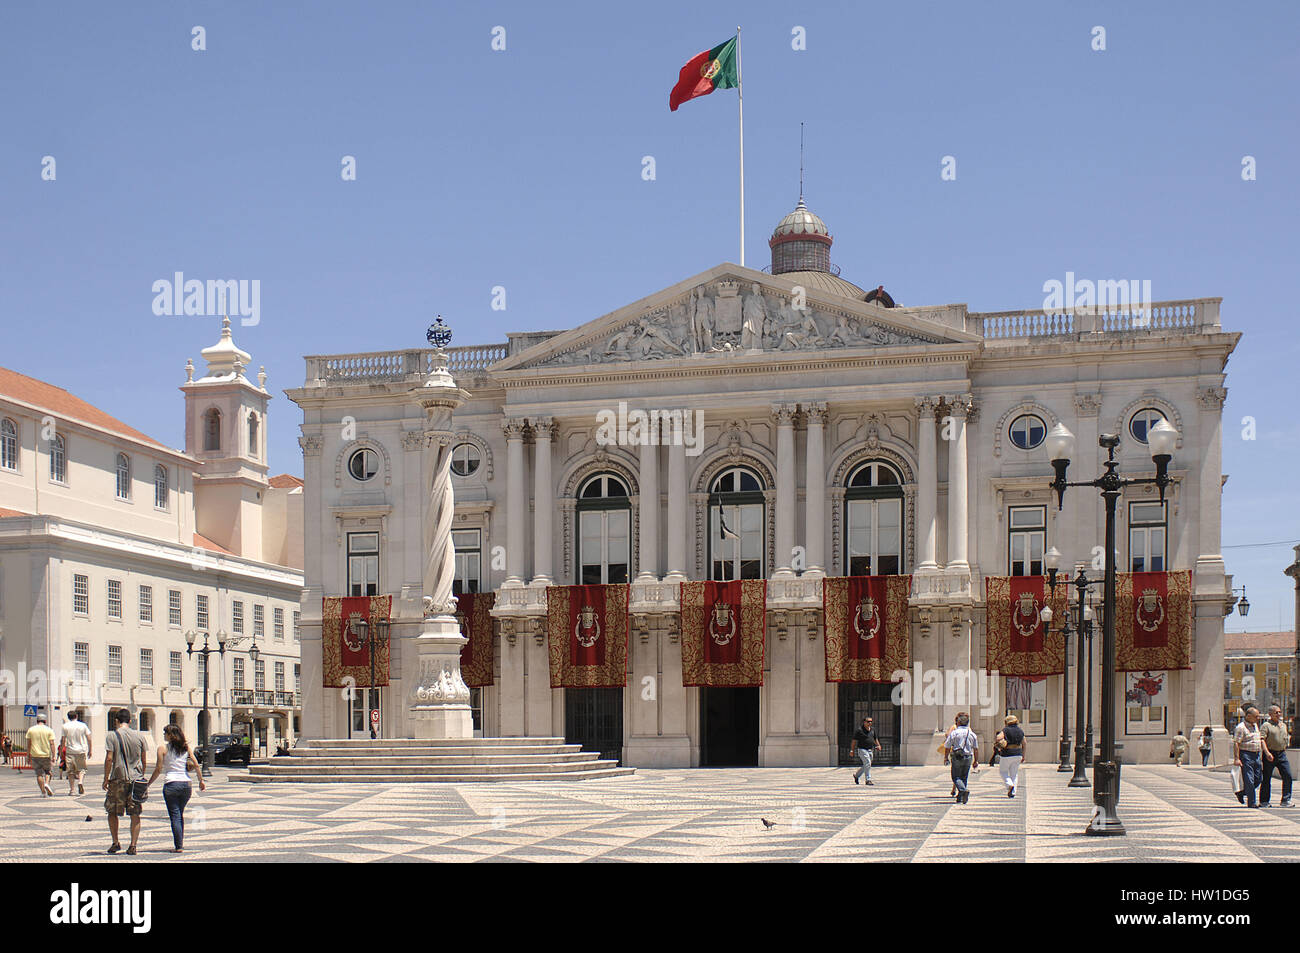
320	708
957	485
516	501
1210	567
815	517
543	501
677	511
785	488
649	477
927	497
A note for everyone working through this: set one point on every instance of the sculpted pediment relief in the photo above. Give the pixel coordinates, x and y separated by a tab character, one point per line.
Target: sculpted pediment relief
728	315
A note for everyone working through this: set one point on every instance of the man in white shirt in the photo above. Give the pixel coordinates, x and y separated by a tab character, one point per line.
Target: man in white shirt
1246	743
962	749
76	735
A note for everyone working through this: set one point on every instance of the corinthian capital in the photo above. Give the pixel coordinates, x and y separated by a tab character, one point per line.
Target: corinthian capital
784	413
926	406
513	427
543	428
815	412
1212	398
311	445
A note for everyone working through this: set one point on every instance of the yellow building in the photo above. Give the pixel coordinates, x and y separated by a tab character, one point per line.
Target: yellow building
1258	669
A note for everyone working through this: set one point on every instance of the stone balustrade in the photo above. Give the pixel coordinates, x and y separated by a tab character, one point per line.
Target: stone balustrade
375	367
1193	316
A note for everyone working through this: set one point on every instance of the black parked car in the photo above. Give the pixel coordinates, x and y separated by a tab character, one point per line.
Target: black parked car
226	749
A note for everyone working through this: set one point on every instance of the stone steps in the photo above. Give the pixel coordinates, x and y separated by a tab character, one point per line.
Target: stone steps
564	757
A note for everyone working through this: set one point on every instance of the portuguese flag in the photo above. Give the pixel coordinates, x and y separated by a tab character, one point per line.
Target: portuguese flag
703	73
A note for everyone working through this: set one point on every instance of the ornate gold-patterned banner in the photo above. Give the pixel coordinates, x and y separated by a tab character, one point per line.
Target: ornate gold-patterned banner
1018	643
587	633
723	628
345	654
867	632
474	613
1153	621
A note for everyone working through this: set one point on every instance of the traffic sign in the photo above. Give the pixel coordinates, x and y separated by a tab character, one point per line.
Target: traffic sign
29	711
374	717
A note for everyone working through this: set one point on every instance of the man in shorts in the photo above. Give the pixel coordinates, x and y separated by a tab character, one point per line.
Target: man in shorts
40	748
76	735
125	761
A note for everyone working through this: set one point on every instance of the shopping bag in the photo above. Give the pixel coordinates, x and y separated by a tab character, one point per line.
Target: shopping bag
1234	773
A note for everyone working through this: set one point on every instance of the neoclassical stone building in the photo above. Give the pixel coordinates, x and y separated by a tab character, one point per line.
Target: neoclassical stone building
808	429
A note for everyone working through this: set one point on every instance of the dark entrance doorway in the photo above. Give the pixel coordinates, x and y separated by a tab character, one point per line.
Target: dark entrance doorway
593	718
728	727
860	700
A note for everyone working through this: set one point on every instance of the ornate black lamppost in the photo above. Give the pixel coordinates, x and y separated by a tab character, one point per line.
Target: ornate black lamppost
370	633
1052	560
190	638
1082	616
1162	439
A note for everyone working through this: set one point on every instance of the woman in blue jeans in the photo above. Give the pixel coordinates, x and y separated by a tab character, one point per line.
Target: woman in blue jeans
173	763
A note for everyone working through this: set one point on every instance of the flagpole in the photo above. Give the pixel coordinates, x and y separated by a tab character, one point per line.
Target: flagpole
740	97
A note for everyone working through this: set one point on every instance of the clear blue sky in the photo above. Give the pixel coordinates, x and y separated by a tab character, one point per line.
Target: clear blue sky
522	168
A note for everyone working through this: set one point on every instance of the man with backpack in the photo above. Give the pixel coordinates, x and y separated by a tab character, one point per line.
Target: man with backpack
124	764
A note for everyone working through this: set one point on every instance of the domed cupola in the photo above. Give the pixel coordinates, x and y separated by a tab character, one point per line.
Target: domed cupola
800	242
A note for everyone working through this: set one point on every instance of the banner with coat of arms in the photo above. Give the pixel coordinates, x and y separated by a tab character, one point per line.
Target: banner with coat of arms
1017	641
474	615
867	632
586	629
723	629
1153	621
345	653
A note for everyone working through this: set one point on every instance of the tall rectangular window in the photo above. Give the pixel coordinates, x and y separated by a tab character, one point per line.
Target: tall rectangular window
80	595
1147	537
202	669
174	607
297	677
115	664
146	666
603	545
1026	540
259	675
237	617
279	676
115	599
146	603
363	564
8	444
175	671
277	624
201	611
469	559
237	677
297	626
58	460
81	661
259	621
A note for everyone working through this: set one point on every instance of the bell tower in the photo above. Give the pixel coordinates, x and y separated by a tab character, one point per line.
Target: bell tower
225	430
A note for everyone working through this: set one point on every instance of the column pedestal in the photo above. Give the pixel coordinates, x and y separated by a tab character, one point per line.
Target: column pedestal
439	702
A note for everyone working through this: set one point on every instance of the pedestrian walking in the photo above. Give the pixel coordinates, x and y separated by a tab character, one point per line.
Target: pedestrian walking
1012	754
174	762
124	763
1207	746
865	745
6	747
1246	742
1178	748
961	750
40	748
1276	738
76	735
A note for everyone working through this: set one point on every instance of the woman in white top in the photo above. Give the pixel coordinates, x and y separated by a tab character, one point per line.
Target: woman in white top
173	763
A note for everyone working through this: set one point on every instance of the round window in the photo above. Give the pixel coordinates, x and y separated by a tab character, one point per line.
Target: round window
465	459
1143	421
363	464
1028	431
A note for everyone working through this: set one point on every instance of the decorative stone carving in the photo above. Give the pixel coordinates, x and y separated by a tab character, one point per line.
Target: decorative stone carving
753	319
440	683
513	428
1087	404
1211	399
311	445
414	440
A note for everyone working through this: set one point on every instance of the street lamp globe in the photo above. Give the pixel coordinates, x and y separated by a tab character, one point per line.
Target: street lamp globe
1060	444
1162	439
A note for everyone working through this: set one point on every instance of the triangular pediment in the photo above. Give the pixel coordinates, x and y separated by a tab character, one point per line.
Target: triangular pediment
730	309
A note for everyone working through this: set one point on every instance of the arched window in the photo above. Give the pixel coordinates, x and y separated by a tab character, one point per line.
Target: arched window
160	488
123	477
465	459
253	443
58	460
873	513
212	429
363	464
8	444
1027	431
1143	421
736	525
604	515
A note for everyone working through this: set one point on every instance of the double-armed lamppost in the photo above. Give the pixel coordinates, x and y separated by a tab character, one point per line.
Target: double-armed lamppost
1061	445
370	633
1081	617
1052	560
220	651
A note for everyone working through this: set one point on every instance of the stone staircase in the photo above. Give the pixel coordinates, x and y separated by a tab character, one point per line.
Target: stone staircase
406	760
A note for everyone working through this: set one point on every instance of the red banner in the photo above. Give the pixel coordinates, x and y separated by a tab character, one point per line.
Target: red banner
866	627
474	615
345	652
1017	641
587	633
723	628
1153	621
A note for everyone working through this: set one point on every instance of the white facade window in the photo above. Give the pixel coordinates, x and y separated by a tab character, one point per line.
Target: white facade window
115	664
873	505
81	661
465	459
146	666
8	444
201	611
1141	423
237	617
237	677
259	675
469	560
123	477
115	599
80	594
174	607
1148	536
1026	540
146	603
259	621
202	667
279	676
363	464
161	491
175	670
297	626
58	460
363	564
1027	431
297	677
604	516
277	624
737	537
